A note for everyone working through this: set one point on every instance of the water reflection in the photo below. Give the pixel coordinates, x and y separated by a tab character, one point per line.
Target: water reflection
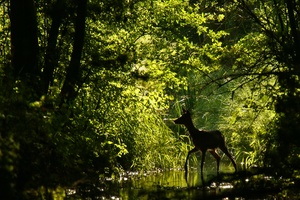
170	184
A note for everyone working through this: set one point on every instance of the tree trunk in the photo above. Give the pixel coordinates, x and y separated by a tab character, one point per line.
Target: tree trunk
51	57
24	42
73	75
295	34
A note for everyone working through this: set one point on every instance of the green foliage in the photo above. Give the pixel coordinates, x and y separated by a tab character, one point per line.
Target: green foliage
234	64
237	89
247	122
126	123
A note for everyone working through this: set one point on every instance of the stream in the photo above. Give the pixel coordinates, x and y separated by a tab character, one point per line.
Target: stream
171	184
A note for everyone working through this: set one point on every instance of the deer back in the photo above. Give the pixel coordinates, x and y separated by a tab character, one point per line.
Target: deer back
204	140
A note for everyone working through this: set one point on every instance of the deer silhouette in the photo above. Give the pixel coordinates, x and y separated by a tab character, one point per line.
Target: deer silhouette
204	141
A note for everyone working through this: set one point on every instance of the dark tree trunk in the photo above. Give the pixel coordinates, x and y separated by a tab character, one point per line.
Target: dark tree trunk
295	33
25	68
73	76
51	58
24	42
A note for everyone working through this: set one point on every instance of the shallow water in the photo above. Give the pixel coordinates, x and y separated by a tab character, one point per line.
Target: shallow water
171	184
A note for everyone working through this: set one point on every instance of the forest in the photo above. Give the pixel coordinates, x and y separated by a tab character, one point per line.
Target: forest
91	88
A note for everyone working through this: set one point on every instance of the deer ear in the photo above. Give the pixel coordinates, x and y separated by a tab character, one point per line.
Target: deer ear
183	110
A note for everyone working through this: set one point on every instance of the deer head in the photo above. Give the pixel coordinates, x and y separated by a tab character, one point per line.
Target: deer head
185	117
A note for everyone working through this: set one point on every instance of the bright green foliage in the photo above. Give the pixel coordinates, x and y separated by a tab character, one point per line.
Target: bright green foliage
239	96
123	124
247	124
158	47
233	64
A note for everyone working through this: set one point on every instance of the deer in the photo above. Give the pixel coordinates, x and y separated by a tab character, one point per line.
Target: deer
204	141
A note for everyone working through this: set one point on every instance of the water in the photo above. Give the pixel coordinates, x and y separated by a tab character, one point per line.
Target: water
171	184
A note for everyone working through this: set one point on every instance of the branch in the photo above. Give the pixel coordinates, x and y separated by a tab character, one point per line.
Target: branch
268	32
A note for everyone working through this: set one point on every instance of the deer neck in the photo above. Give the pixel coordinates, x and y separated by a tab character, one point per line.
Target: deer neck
191	128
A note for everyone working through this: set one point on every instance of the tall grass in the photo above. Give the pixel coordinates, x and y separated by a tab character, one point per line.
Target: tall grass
244	119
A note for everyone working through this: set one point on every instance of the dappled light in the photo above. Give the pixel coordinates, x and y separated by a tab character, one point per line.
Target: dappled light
90	89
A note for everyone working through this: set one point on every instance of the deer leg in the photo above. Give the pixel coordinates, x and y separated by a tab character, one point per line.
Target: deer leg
202	162
218	158
225	150
186	161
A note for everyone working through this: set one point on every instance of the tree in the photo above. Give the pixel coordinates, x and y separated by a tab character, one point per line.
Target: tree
279	23
103	76
57	14
257	61
24	43
73	75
